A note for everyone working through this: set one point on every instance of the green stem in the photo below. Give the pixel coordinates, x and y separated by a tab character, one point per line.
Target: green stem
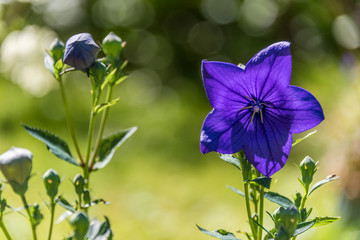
261	213
101	129
32	222
52	210
303	201
3	228
68	120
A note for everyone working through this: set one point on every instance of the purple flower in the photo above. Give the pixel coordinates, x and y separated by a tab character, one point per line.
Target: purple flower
81	51
256	109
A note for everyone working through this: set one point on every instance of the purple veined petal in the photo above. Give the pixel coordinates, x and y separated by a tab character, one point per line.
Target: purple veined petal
268	145
225	85
223	131
269	70
300	108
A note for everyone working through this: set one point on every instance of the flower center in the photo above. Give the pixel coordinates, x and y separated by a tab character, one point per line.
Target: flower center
255	106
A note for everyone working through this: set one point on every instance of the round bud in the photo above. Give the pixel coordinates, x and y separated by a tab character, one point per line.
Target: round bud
51	181
79	184
81	51
98	71
307	168
57	49
80	223
16	166
112	45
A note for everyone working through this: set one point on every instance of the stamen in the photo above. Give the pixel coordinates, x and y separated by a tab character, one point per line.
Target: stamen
249	98
261	116
252	117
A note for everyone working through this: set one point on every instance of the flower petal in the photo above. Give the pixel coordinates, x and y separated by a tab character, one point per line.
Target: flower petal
269	70
268	144
224	85
300	108
223	131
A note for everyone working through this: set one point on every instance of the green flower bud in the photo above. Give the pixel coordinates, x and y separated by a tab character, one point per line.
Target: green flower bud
277	215
282	234
37	216
57	49
307	168
79	184
16	165
112	45
98	71
51	181
80	223
87	198
289	220
297	199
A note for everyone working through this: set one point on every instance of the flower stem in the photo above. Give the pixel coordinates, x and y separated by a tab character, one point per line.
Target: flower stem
3	228
68	120
261	212
31	219
52	210
303	201
101	129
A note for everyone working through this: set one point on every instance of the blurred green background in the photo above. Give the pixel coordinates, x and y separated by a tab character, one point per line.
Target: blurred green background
158	183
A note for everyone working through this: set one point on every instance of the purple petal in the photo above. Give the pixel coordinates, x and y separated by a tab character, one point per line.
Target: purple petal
269	70
225	85
223	131
268	145
300	108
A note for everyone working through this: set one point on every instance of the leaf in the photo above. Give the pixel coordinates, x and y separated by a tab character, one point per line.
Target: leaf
55	144
109	145
237	191
121	79
229	158
262	227
103	106
303	138
65	204
49	63
321	221
63	216
96	202
279	199
220	234
263	181
302	227
272	218
99	231
109	78
322	182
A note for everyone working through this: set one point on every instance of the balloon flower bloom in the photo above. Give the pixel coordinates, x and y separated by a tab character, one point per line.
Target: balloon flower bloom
255	109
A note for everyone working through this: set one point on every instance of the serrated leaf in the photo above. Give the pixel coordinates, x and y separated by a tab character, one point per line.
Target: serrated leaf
237	191
65	204
279	199
303	138
49	63
322	182
220	234
103	106
109	145
229	158
55	144
263	181
303	227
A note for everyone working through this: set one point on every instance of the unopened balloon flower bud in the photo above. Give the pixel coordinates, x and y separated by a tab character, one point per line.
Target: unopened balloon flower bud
57	49
16	165
80	223
112	45
81	51
79	184
307	168
51	181
289	219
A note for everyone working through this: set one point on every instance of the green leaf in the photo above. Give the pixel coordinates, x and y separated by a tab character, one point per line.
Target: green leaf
55	144
121	79
220	234
229	158
63	216
263	181
65	204
302	227
103	106
322	182
237	191
271	216
49	63
109	145
321	221
109	78
303	138
96	202
99	231
262	227
279	199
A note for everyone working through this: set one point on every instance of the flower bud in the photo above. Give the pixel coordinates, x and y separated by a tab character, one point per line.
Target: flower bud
79	184
16	166
297	199
81	51
112	45
37	216
57	49
98	71
80	223
307	168
51	181
87	197
289	220
277	216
